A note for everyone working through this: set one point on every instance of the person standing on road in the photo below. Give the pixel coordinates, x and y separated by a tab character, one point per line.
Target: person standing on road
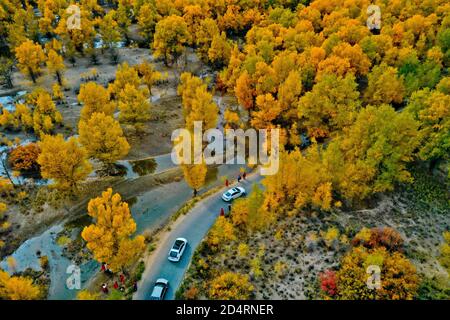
239	178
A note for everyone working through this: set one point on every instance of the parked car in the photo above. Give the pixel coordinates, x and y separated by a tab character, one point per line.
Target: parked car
160	289
233	193
177	249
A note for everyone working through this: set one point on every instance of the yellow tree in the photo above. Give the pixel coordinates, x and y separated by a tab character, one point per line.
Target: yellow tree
95	98
445	251
147	18
221	233
55	64
385	86
125	75
30	57
206	31
45	114
195	175
103	138
197	102
249	214
300	181
76	37
17	288
109	30
220	51
399	280
134	106
109	238
65	162
230	286
372	155
171	36
331	105
432	110
148	74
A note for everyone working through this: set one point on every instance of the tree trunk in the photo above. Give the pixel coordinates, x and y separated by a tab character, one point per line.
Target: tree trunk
32	75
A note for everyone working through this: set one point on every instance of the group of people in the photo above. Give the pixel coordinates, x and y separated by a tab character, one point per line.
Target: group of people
104	268
239	178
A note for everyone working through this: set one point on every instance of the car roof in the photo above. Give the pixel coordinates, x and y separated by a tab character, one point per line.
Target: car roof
157	291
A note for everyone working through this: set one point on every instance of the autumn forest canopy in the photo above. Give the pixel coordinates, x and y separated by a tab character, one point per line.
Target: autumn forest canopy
362	103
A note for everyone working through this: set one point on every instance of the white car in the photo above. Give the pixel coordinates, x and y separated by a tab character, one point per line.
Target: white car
233	193
177	249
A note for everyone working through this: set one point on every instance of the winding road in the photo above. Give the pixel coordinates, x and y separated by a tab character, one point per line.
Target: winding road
193	226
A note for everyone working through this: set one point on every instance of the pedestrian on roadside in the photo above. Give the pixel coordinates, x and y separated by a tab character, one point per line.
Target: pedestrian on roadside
103	268
105	288
229	208
122	278
135	286
244	175
116	285
222	212
239	178
227	183
195	193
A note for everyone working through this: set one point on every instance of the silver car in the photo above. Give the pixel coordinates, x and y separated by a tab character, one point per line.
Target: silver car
233	193
160	289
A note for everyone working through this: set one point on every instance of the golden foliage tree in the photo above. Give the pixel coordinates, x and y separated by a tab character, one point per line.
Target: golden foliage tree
171	36
65	162
109	238
55	64
17	288
30	57
148	74
230	286
301	180
372	156
103	138
147	19
445	251
125	75
432	110
195	175
198	104
134	106
249	214
331	105
399	280
45	114
95	98
385	86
